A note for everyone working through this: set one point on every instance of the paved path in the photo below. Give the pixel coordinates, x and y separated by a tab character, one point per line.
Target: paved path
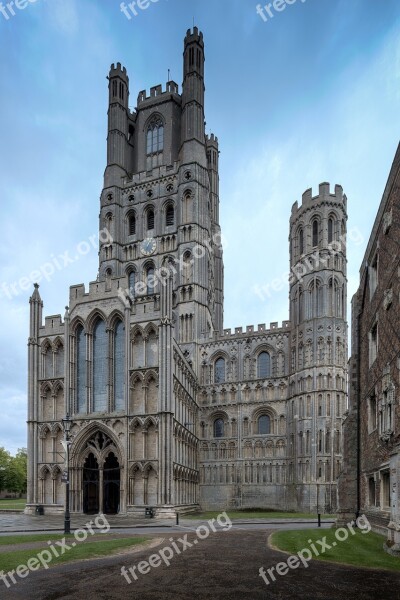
10	523
225	566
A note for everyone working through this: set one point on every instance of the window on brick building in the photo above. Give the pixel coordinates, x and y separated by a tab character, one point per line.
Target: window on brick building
373	344
385	490
371	491
371	413
373	276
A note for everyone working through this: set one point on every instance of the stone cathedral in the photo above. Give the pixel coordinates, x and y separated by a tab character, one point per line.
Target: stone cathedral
168	408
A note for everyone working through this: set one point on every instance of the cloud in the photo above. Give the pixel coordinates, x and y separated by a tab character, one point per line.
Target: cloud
13	419
63	16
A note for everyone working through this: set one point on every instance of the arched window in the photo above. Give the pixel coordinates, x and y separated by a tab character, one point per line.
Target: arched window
80	370
330	298
132	281
100	347
301	241
315	232
150	280
155	137
264	425
301	305
119	360
219	374
330	230
187	267
150	220
108	279
219	428
169	216
319	299
263	365
132	225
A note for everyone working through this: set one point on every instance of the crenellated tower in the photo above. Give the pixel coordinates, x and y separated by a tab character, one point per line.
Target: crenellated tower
118	158
213	171
318	353
193	89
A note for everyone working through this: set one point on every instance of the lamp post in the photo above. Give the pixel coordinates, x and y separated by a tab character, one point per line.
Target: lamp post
66	444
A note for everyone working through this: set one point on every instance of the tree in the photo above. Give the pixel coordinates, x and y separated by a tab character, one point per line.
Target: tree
21	466
13	471
5	459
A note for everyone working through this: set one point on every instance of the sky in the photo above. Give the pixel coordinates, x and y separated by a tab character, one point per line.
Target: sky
308	96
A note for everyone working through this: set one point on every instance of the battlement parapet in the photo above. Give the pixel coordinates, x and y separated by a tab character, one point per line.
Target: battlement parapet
194	36
251	329
157	91
118	71
53	325
212	140
308	201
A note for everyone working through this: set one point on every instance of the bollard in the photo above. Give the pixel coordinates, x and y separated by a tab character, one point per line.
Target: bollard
319	520
177	518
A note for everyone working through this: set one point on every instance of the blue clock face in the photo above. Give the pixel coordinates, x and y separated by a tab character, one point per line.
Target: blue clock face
148	246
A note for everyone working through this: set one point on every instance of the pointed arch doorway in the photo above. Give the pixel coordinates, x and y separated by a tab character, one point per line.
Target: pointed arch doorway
91	483
101	474
111	485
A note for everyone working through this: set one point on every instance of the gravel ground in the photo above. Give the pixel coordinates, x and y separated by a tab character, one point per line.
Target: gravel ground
225	566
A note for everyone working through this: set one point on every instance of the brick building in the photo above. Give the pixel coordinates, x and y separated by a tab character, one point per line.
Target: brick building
370	480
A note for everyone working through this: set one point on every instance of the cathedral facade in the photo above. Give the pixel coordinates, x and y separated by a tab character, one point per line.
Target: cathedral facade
168	408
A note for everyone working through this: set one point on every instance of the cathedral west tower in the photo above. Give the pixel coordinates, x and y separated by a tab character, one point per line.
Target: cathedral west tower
168	408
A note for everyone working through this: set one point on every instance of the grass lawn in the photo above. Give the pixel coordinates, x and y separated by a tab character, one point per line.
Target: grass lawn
8	540
84	550
13	503
254	514
361	549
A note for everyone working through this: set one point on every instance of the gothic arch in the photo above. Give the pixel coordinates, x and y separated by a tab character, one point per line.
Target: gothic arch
136	422
150	328
93	318
75	323
136	468
114	317
45	387
43	471
78	447
153	118
43	431
58	343
150	376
